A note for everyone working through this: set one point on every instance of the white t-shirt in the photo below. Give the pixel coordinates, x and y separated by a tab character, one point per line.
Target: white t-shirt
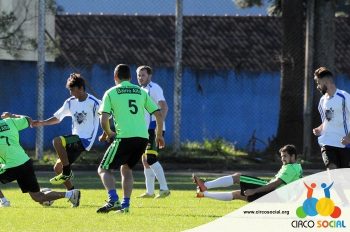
335	115
85	118
156	93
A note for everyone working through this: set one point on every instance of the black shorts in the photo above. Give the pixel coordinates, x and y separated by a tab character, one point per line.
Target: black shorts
73	145
25	176
124	151
336	155
250	182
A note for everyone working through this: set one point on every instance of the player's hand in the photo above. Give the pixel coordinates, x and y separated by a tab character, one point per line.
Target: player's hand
249	192
317	131
6	115
160	141
35	123
110	137
102	137
345	140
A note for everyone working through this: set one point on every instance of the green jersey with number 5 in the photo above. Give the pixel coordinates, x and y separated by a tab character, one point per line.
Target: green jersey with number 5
127	103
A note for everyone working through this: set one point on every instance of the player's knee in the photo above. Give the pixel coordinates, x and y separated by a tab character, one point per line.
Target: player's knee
56	142
151	159
236	176
100	171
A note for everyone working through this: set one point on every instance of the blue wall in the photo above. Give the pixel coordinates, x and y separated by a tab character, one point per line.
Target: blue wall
214	104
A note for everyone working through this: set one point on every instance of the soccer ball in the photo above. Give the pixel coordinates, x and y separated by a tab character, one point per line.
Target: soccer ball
46	203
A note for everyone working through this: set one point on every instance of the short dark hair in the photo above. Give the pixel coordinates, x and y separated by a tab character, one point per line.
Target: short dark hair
144	67
122	71
75	80
290	149
323	72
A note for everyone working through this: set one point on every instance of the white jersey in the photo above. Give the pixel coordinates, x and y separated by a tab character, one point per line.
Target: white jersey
85	118
156	93
335	115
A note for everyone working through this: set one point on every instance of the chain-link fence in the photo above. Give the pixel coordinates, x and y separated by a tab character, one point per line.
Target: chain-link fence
230	65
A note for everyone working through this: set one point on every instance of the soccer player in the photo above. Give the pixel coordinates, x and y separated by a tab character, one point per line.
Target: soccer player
127	104
152	167
83	108
16	165
333	133
252	188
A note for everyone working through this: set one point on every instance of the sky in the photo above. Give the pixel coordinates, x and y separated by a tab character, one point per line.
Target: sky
155	7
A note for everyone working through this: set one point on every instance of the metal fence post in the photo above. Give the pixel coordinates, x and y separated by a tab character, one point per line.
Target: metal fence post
39	140
178	74
308	92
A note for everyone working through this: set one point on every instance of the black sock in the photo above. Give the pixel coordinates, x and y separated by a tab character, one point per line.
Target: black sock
66	170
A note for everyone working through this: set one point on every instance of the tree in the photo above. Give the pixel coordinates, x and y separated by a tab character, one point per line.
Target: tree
12	36
290	125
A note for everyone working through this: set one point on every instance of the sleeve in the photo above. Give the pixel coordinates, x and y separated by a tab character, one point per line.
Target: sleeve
159	96
21	123
347	102
63	111
150	105
286	174
105	106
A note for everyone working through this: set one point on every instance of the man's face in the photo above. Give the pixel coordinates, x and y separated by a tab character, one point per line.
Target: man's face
321	85
76	91
143	78
285	158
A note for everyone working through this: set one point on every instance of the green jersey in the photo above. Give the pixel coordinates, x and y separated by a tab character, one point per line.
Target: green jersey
289	173
11	152
127	103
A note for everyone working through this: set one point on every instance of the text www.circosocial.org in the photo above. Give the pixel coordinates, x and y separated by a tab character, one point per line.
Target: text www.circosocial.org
285	212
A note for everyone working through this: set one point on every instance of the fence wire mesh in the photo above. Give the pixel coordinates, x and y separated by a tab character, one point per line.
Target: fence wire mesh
230	58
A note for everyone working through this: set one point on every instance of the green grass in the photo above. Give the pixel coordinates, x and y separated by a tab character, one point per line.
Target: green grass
178	212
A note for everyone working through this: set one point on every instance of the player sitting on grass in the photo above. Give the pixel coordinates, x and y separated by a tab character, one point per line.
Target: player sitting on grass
252	188
16	165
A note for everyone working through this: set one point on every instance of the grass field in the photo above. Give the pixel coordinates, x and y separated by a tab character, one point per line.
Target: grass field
178	212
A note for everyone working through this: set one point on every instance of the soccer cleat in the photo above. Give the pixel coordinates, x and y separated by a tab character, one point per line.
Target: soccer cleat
123	210
162	194
199	182
4	203
109	206
146	195
60	179
75	198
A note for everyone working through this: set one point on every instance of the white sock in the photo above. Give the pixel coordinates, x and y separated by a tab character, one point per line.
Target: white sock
150	178
222	196
158	170
224	181
69	194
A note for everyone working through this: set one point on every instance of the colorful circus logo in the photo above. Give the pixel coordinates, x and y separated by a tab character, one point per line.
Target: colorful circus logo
323	206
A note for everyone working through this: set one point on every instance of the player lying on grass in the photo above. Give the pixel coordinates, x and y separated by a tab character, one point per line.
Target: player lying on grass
252	188
15	164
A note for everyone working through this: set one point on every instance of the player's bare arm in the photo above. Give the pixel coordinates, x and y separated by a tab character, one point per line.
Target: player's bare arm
47	122
109	134
318	130
266	188
163	108
159	129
